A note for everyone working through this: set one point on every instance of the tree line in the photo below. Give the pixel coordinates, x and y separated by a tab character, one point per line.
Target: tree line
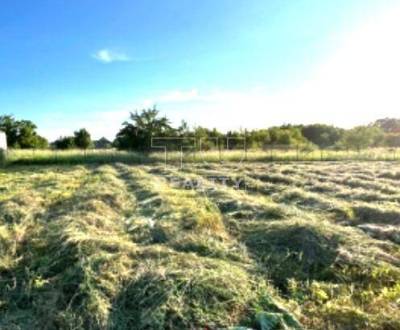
147	125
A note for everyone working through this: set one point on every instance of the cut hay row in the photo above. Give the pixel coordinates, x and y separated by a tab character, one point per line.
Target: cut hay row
338	203
189	210
73	261
347	177
26	193
144	247
231	196
183	220
187	230
347	202
363	176
283	194
331	271
85	271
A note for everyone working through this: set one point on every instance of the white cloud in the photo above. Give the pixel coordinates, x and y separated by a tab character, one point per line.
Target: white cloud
109	56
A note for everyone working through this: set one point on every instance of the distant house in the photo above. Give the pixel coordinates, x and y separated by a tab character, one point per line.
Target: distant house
3	141
103	143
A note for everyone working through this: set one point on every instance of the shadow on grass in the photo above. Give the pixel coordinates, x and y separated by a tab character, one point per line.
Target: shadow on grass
291	251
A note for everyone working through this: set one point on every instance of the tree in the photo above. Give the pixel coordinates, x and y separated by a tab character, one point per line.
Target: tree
362	137
128	138
39	142
137	134
392	140
391	128
64	142
82	139
27	137
286	135
21	133
208	138
322	135
148	122
183	129
388	125
258	138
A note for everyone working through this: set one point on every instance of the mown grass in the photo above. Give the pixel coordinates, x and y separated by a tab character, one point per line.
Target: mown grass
78	260
336	274
136	247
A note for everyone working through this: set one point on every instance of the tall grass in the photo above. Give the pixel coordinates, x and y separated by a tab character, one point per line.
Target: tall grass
47	157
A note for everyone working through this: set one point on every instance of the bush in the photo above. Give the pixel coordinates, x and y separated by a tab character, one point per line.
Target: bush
63	143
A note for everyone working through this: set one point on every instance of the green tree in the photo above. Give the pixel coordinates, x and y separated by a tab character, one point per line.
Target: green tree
208	138
362	137
149	122
322	135
82	139
286	135
21	133
183	129
64	142
258	138
137	133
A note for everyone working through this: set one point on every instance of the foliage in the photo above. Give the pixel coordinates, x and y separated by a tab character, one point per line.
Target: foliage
286	135
137	134
258	138
64	142
82	139
21	133
322	135
362	137
147	126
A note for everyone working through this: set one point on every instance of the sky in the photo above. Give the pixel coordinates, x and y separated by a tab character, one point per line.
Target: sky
229	64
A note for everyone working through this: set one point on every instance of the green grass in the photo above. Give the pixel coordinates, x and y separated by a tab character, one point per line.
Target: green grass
48	157
311	245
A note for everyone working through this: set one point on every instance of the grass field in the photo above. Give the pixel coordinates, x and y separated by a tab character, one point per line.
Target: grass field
48	157
313	245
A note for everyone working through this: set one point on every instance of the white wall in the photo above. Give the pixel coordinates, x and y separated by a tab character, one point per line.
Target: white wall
3	141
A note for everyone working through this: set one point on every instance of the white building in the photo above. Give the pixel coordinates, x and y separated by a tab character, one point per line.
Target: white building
3	141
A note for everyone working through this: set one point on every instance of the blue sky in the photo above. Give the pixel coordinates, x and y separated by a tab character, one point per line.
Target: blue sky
218	63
